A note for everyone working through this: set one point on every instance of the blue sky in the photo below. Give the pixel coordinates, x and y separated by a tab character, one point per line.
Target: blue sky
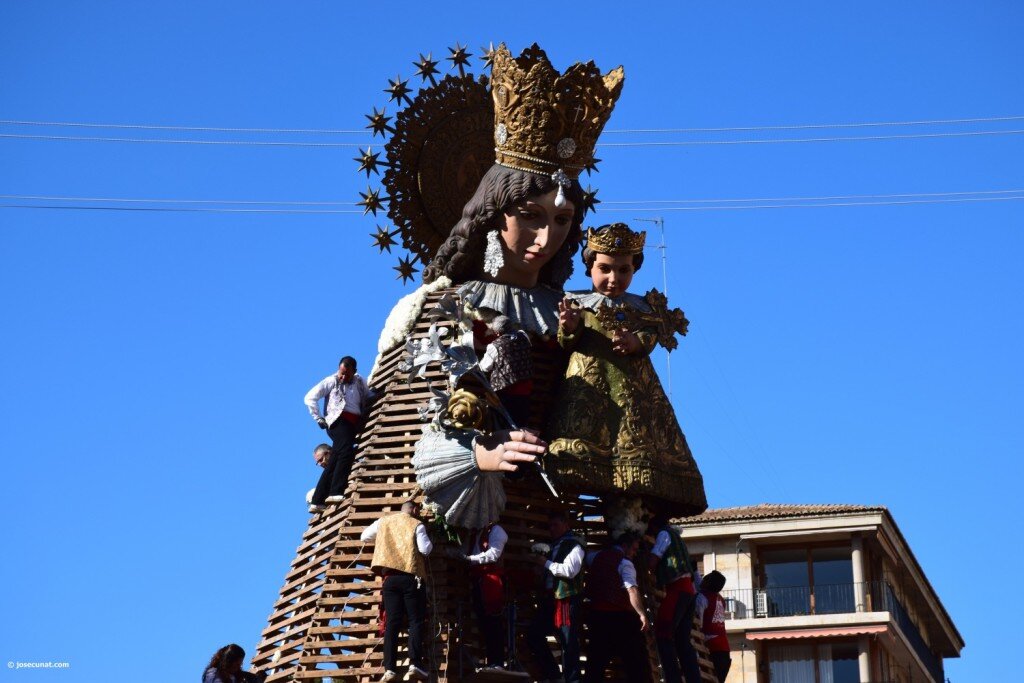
155	447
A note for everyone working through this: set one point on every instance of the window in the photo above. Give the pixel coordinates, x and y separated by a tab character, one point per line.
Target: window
698	562
825	662
809	580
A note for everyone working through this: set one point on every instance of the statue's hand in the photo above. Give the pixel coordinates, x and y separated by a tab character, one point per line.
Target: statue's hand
625	342
568	316
502	451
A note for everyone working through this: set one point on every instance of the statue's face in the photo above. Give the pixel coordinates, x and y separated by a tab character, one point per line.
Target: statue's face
533	232
611	275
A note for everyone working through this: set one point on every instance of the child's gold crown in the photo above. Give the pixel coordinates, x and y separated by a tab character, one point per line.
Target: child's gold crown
616	240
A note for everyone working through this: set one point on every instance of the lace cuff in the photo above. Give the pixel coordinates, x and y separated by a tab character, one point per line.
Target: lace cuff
446	470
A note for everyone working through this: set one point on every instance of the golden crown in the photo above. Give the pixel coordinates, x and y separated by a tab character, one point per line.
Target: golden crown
616	240
546	122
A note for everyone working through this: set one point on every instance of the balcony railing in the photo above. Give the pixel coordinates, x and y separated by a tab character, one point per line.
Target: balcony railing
891	604
791	601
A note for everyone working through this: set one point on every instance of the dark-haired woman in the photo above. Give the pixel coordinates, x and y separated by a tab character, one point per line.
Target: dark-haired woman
226	667
509	255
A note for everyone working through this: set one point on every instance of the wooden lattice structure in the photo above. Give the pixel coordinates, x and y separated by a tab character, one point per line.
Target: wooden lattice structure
324	625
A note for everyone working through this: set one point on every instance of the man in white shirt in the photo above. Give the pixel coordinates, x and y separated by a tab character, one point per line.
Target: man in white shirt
347	398
558	609
400	546
617	616
485	548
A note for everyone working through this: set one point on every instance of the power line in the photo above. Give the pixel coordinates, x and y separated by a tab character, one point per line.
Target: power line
813	126
793	199
719	200
157	209
776	141
185	141
173	201
657	143
335	131
357	211
204	129
814	206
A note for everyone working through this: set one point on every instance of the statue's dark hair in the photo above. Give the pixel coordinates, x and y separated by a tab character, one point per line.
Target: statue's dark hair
461	256
589	256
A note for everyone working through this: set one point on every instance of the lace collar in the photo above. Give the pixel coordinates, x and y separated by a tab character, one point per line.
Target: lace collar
593	300
536	310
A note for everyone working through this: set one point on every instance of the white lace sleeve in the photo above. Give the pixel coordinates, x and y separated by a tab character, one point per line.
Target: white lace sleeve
446	471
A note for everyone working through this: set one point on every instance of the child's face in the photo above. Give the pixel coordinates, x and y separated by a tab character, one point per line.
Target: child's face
611	275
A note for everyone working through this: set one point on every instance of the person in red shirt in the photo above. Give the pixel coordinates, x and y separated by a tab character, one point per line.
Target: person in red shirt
711	611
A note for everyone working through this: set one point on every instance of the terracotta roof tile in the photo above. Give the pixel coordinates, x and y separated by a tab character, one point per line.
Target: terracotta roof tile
774	510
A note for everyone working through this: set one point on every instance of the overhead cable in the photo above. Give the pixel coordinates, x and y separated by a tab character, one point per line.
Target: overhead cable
335	131
781	203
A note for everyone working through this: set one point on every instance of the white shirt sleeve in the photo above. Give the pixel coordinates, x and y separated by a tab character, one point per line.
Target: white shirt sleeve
423	541
569	567
365	395
313	396
496	541
487	362
661	544
369	533
627	572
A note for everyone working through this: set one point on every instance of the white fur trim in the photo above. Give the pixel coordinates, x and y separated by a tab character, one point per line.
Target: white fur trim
403	318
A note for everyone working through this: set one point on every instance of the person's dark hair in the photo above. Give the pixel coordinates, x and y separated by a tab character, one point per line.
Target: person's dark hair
658	522
627	537
461	256
713	582
321	448
589	256
349	362
222	662
561	516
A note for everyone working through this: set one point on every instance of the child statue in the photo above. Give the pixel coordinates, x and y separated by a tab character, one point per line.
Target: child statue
613	429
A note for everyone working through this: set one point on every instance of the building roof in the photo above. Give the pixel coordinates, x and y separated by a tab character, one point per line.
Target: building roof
775	510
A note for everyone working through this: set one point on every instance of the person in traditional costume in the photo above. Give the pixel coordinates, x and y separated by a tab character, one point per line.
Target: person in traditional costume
674	573
613	428
559	610
617	618
400	545
483	552
710	611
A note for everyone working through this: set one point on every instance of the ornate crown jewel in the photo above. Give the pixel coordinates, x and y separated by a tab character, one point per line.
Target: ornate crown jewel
616	240
546	122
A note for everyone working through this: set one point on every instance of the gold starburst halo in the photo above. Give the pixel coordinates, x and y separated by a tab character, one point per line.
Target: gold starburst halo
437	148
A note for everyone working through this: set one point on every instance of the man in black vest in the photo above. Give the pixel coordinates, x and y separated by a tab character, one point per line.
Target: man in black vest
617	619
558	607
